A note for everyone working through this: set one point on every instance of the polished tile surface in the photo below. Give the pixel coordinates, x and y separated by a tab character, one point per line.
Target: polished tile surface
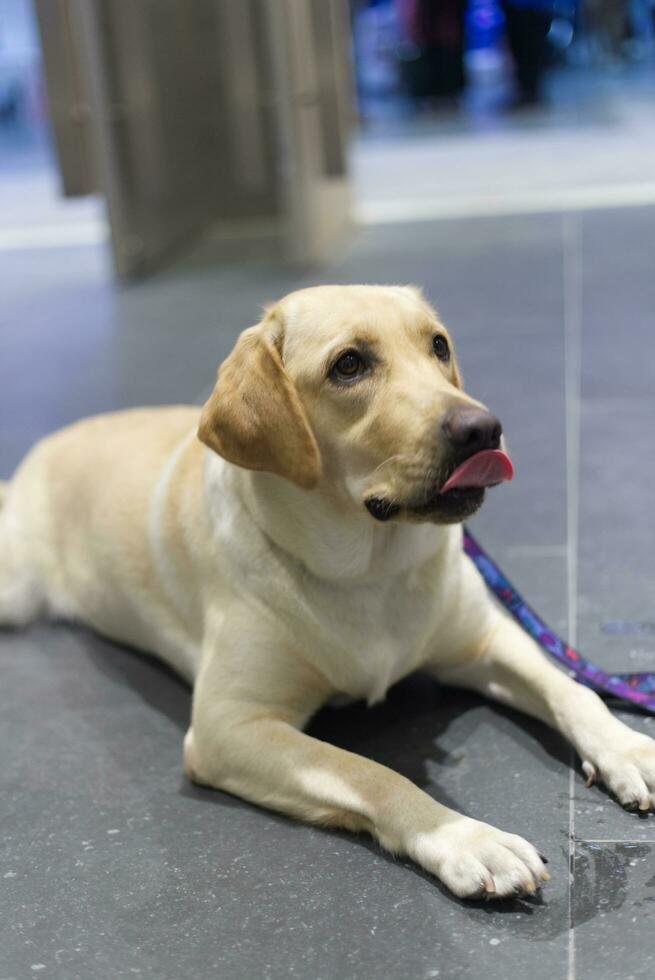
112	865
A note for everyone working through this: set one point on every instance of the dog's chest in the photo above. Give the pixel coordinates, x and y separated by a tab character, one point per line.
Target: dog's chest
365	638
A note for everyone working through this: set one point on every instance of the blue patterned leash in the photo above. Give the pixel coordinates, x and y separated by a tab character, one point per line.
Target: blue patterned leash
639	689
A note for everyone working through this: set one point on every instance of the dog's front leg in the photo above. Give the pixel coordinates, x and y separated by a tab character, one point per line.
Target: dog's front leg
245	738
511	668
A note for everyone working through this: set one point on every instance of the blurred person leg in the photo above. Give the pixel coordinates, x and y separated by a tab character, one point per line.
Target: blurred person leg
641	28
526	29
435	30
607	21
616	14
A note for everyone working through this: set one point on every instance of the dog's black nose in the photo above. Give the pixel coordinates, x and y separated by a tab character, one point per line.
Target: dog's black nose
472	429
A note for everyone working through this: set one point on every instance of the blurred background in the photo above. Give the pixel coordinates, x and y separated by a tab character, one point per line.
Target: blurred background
166	168
268	129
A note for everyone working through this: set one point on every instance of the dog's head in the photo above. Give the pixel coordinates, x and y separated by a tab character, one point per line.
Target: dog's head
355	390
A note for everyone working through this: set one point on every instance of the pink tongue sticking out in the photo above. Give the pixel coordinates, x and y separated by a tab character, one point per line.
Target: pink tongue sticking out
484	469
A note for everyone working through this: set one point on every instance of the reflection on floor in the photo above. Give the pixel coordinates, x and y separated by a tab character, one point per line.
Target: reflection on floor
113	866
593	145
30	201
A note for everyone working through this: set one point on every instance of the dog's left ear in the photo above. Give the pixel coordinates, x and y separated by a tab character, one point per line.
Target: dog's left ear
254	417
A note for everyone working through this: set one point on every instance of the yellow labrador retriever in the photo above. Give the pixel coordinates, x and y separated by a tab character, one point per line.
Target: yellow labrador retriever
307	544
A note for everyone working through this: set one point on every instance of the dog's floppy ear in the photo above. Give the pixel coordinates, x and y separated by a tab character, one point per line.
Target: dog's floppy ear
458	380
254	417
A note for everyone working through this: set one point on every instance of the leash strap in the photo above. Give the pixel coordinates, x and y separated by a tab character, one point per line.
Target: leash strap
637	688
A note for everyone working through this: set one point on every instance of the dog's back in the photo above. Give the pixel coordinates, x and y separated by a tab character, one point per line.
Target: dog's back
61	548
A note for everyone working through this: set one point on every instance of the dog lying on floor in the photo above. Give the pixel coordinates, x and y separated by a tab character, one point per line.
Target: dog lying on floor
311	547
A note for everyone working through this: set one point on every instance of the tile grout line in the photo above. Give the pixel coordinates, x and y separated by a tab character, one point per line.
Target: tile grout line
612	840
572	316
572	372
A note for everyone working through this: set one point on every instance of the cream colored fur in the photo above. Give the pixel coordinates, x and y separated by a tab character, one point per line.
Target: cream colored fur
260	576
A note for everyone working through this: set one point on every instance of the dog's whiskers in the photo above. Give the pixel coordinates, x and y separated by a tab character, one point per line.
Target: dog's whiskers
390	459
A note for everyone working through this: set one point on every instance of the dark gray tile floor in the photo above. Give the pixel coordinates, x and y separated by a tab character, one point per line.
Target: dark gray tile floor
111	865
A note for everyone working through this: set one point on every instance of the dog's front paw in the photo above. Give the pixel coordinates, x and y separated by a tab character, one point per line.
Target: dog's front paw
475	860
626	764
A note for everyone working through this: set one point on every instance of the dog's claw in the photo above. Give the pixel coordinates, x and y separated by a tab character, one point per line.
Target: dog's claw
644	804
489	885
590	772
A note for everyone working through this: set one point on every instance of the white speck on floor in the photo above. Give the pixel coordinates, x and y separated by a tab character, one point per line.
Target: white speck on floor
10	874
37	966
494	942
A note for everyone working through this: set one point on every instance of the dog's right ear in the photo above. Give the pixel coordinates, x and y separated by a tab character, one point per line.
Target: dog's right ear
254	417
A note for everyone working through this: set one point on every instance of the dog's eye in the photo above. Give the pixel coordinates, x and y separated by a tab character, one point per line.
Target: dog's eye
349	366
441	348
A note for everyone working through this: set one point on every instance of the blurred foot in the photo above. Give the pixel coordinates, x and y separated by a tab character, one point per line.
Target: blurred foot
525	100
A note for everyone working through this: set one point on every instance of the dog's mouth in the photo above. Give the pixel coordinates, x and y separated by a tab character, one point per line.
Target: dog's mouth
458	497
